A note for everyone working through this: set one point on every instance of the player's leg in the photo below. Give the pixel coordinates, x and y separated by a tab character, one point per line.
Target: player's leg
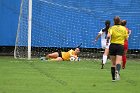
106	52
104	58
112	53
53	55
56	56
57	59
118	66
118	62
124	58
113	65
105	55
119	53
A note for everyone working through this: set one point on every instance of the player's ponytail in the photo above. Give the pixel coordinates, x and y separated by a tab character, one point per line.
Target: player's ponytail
107	23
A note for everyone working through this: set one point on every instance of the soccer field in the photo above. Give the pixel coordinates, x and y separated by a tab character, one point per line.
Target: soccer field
35	76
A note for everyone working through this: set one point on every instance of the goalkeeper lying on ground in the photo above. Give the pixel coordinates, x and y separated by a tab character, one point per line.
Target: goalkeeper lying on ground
62	56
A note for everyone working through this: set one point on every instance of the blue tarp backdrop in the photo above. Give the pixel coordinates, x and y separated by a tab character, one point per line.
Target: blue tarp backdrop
9	12
101	10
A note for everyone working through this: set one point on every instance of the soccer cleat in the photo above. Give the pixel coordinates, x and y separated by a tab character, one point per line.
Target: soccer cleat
102	65
42	58
113	80
117	76
123	67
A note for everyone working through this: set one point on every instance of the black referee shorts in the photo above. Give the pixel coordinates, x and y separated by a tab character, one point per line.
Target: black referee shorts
116	49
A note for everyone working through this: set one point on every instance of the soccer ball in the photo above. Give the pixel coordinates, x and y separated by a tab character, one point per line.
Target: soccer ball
74	59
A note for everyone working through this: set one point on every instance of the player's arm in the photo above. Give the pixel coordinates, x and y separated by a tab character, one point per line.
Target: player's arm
109	36
129	32
126	35
71	55
70	52
99	35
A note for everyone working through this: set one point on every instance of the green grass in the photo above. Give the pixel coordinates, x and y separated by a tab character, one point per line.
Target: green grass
35	76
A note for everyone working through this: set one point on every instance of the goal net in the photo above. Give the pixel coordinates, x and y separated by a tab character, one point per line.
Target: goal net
47	26
54	26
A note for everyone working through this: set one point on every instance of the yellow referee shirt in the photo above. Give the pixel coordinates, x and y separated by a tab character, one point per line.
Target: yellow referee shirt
67	55
118	34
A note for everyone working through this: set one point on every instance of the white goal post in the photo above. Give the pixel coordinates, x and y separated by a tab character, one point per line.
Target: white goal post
29	28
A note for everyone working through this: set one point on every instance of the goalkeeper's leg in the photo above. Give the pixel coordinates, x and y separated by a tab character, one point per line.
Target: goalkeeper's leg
57	59
53	55
50	56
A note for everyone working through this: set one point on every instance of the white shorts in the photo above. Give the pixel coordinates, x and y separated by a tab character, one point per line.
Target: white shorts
103	44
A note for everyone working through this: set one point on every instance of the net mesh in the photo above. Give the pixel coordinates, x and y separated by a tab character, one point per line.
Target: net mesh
64	24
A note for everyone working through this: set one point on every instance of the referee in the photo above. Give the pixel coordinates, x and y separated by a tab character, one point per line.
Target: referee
117	35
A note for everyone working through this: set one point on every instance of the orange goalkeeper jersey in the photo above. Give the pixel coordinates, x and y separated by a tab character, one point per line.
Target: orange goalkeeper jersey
66	55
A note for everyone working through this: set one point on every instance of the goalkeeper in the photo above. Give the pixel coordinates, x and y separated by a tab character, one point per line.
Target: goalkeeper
62	56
